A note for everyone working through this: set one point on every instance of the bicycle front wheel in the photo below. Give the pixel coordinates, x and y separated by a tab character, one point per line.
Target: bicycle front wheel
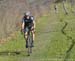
29	45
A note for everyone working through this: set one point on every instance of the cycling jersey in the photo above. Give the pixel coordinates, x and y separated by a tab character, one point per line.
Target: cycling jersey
28	22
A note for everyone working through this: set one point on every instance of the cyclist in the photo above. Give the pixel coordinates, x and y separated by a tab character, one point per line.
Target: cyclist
28	23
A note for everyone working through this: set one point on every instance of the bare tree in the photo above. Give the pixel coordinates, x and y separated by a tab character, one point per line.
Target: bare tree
72	4
55	8
64	7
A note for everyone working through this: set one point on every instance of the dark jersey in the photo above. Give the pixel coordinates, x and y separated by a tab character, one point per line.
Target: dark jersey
28	22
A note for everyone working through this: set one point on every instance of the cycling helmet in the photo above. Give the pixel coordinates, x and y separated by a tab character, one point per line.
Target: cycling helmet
27	13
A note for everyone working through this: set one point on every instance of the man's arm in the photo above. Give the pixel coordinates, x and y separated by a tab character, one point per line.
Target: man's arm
34	25
22	25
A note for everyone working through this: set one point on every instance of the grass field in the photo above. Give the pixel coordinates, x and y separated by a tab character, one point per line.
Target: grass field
55	40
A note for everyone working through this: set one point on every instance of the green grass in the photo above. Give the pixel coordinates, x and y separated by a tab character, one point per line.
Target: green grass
50	44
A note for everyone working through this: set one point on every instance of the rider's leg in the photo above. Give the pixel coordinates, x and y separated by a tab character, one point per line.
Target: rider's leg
26	37
33	37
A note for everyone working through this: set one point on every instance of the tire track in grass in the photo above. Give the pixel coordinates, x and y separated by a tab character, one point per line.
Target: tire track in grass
68	52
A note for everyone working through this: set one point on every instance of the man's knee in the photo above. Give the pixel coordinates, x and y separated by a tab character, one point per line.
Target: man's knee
25	35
